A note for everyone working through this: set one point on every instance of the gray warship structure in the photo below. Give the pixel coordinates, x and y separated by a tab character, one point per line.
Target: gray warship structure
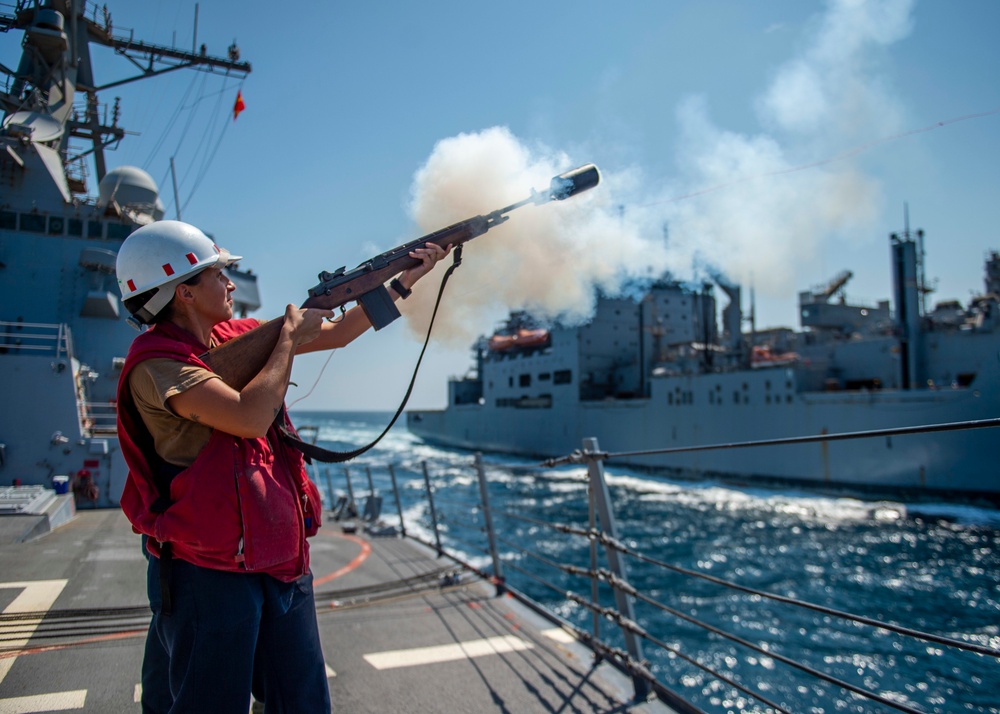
656	377
63	330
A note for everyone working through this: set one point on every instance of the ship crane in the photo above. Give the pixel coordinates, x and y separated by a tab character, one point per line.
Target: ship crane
833	287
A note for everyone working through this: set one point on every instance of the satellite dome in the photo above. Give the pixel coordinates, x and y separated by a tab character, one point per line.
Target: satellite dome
128	186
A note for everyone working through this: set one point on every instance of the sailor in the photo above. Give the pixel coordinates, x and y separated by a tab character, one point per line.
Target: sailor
224	504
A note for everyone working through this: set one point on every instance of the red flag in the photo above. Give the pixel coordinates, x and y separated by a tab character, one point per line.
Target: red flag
239	105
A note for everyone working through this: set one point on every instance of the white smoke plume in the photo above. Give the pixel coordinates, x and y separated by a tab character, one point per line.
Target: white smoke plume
547	259
753	207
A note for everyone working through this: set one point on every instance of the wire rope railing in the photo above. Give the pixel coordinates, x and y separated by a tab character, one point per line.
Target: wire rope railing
580	456
539	551
615	579
548	560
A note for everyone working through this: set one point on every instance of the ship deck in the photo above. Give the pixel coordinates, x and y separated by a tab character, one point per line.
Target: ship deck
402	630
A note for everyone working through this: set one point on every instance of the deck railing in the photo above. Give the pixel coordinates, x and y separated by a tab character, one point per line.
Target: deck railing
35	338
447	523
98	418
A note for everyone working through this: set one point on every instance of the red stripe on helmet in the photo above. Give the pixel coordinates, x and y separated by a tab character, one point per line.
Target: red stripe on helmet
168	269
131	285
192	258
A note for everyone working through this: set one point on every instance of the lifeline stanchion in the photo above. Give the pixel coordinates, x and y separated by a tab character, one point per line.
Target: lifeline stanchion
330	493
350	488
599	490
591	519
487	515
430	501
399	507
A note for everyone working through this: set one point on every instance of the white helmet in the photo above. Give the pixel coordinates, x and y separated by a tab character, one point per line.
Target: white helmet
160	256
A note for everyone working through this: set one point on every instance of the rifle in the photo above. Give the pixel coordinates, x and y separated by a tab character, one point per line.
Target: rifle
240	359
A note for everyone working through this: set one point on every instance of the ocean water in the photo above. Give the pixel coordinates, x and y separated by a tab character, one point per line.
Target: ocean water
929	567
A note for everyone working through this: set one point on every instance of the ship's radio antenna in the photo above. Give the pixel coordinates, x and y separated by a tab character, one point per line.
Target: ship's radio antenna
177	198
194	39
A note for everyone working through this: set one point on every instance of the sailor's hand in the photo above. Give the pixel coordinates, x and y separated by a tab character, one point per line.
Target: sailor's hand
428	255
304	324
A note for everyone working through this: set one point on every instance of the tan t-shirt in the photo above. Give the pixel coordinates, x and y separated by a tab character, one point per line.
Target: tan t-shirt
177	440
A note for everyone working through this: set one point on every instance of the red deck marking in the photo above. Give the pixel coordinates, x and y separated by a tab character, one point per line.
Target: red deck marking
366	550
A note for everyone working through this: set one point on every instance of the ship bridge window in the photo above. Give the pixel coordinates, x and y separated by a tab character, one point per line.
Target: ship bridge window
57	224
544	377
562	376
524	380
118	231
32	222
75	227
8	220
94	229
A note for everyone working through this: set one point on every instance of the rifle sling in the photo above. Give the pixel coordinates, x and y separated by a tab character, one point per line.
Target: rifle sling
312	452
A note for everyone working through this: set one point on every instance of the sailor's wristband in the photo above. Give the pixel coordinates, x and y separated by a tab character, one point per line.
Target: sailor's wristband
400	290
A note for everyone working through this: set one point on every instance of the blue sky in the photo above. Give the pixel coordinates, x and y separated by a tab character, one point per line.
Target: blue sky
776	142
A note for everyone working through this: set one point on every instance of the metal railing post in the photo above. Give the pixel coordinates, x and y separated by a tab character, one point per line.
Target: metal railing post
592	520
399	507
329	489
351	510
599	487
350	488
430	500
488	516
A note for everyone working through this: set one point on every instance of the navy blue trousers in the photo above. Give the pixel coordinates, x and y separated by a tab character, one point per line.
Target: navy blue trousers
230	634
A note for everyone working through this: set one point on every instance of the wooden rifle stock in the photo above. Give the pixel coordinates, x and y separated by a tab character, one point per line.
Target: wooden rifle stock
241	358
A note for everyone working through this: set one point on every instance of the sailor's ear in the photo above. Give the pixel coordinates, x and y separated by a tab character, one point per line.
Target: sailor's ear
183	293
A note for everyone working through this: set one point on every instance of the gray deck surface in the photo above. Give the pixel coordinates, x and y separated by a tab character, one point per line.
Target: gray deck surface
370	602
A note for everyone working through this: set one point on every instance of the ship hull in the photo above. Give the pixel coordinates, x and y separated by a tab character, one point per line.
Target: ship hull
928	464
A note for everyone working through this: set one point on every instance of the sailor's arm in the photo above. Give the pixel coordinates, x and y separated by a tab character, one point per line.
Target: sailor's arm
250	412
354	322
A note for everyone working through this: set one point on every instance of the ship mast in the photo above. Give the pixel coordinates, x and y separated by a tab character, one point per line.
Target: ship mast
42	93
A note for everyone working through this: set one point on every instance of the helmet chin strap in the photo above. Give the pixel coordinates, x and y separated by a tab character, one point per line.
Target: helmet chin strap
161	298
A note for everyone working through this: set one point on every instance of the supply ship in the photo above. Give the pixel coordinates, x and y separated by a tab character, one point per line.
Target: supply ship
63	329
661	371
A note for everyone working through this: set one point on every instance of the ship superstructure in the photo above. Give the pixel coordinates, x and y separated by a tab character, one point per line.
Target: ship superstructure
672	370
63	333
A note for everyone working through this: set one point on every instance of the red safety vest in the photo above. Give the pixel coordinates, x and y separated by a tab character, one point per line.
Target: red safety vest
243	505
